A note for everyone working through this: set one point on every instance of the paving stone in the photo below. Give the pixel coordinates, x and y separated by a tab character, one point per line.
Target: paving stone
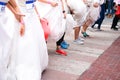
107	66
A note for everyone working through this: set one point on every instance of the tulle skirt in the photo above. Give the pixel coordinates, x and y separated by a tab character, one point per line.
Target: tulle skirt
79	16
93	14
31	57
7	30
54	16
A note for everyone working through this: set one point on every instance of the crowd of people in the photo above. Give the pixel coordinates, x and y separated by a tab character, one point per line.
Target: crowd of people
23	47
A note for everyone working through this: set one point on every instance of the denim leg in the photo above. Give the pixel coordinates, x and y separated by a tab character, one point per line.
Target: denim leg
110	7
102	15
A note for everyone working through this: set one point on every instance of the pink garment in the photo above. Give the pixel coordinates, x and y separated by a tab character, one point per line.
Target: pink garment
117	1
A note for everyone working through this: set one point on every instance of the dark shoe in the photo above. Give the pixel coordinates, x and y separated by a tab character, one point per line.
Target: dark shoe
116	29
64	45
92	26
85	34
61	52
111	27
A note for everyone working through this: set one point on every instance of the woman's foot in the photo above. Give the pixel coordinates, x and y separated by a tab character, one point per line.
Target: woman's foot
116	29
61	52
64	45
85	34
78	41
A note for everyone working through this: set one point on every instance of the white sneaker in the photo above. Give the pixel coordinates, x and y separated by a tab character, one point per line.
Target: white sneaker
77	41
82	39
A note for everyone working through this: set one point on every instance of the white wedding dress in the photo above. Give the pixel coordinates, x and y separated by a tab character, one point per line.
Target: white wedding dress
79	9
7	30
31	56
55	18
93	12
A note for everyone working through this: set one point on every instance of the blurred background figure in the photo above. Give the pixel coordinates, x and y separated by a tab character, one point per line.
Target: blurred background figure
102	15
110	9
117	15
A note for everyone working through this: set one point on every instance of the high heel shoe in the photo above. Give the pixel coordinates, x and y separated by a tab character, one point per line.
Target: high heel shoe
61	52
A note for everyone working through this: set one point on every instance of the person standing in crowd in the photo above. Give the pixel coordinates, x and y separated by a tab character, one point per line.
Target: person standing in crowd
110	9
8	18
102	15
55	23
117	15
77	9
31	57
92	14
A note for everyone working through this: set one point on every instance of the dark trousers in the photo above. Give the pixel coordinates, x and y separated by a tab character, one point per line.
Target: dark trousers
102	16
115	21
60	40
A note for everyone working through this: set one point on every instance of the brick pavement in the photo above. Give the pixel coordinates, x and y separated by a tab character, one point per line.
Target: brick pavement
107	66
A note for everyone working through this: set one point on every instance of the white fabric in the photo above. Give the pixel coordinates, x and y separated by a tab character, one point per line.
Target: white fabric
93	12
31	57
43	8
65	6
4	0
91	2
79	10
7	29
4	24
70	23
117	1
102	1
3	36
54	16
96	1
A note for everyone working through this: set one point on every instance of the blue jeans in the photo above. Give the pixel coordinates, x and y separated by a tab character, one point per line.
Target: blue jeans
102	16
110	7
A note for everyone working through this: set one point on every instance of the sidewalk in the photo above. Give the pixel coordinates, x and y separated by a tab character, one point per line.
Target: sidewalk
107	66
80	57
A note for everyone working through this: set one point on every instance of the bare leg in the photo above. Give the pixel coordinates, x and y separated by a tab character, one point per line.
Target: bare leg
76	36
86	25
76	32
